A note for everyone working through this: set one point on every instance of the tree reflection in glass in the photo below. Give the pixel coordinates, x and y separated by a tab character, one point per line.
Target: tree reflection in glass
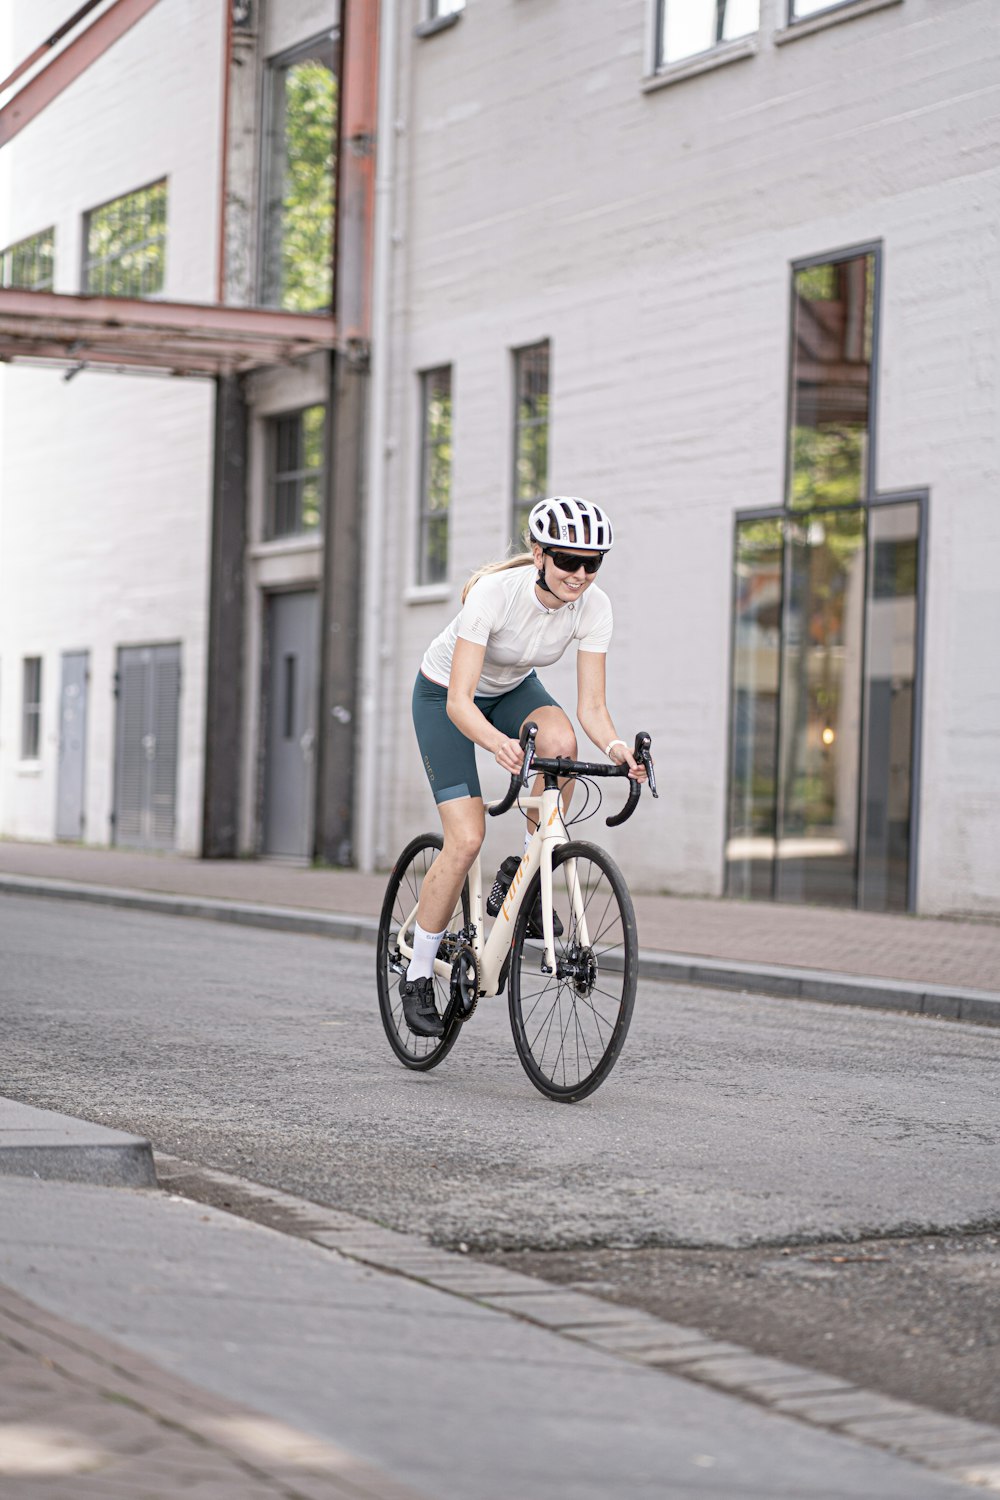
831	383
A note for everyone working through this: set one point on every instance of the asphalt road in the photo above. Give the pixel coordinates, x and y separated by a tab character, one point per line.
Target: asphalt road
742	1123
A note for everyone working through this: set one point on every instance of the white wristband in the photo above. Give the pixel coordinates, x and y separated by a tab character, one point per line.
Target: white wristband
612	746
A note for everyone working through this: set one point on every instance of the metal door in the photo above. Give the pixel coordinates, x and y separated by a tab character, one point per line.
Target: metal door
290	724
70	790
148	691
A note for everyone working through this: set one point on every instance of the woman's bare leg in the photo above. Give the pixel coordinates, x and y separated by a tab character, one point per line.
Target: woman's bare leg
464	823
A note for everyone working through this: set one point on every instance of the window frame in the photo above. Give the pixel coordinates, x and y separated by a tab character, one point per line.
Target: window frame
88	263
43	237
269	295
298	475
791	19
31	708
425	512
725	49
518	426
874	248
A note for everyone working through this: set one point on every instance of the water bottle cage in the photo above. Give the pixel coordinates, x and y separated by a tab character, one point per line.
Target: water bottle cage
501	885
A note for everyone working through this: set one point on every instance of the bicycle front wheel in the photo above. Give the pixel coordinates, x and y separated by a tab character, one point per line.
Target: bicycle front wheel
398	915
569	1027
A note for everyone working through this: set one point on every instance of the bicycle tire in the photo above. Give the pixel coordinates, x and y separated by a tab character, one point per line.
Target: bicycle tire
569	1029
418	1052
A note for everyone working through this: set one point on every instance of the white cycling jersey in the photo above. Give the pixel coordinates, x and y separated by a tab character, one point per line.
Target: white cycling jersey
502	613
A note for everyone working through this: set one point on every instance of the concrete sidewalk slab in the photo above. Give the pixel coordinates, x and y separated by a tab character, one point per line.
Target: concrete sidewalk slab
431	1389
41	1144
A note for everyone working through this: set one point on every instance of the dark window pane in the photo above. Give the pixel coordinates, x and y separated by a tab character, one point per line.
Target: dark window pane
309	514
313	426
753	786
31	707
126	245
298	213
531	432
688	27
30	263
821	708
831	382
296	482
890	674
435	475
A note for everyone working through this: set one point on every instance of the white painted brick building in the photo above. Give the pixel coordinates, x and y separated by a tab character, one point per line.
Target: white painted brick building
690	242
105	480
551	185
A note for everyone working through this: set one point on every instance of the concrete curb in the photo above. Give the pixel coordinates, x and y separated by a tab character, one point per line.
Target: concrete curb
41	1143
965	1450
944	1002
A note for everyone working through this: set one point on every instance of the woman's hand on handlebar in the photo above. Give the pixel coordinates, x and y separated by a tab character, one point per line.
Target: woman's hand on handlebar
621	754
509	756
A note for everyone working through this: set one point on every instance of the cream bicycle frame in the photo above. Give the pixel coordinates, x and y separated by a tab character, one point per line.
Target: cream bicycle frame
491	955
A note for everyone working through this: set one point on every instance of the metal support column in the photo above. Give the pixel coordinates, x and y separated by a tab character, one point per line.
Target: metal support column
224	698
340	641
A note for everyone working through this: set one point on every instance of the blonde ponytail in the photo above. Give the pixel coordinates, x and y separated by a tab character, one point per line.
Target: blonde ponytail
522	560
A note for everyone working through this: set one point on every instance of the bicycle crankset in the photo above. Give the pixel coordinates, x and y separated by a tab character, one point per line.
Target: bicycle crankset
464	983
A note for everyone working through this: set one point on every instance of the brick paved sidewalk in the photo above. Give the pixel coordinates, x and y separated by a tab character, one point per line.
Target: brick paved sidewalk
963	953
85	1419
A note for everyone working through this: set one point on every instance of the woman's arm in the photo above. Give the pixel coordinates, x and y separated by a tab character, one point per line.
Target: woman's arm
466	670
592	710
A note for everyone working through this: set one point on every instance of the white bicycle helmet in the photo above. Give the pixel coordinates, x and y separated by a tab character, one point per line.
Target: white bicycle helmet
565	521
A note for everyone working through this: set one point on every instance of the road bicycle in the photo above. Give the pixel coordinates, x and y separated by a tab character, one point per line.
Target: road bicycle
571	985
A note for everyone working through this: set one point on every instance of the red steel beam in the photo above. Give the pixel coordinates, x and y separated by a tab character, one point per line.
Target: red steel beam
356	169
191	318
73	60
49	43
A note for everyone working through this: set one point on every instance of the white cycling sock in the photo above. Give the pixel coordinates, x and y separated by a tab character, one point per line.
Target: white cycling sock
529	834
425	947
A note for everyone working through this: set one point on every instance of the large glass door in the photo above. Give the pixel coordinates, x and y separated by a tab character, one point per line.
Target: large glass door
820	723
824	679
891	650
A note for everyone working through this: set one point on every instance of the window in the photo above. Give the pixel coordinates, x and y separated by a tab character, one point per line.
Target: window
30	263
688	27
800	10
299	178
831	382
435	475
438	8
531	431
31	708
296	471
126	245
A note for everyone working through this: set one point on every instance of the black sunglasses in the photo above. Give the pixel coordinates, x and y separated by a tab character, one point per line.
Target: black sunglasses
571	562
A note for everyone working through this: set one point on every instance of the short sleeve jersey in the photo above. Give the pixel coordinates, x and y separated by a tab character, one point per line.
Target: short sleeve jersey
503	614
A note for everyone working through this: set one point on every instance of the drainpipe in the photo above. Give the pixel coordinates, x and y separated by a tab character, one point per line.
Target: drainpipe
372	743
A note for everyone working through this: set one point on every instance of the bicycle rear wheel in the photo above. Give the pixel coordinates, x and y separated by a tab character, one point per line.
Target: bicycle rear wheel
401	896
569	1027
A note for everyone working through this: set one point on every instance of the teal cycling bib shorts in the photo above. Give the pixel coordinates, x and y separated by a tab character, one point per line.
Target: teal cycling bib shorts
449	757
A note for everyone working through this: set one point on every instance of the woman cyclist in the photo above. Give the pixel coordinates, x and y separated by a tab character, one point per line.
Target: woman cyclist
477	685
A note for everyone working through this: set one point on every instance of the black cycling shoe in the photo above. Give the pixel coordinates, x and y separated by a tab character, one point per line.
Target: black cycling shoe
534	928
419	1009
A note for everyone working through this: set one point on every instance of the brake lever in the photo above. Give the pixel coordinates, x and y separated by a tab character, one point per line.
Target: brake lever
528	736
645	759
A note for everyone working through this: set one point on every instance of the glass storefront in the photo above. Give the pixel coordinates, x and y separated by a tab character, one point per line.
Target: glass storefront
822	706
825	633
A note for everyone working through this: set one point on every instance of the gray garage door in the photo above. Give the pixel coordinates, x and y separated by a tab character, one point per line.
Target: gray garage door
70	810
148	692
293	635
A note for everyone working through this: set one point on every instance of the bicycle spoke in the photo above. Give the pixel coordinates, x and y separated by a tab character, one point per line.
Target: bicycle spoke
396	930
569	1027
